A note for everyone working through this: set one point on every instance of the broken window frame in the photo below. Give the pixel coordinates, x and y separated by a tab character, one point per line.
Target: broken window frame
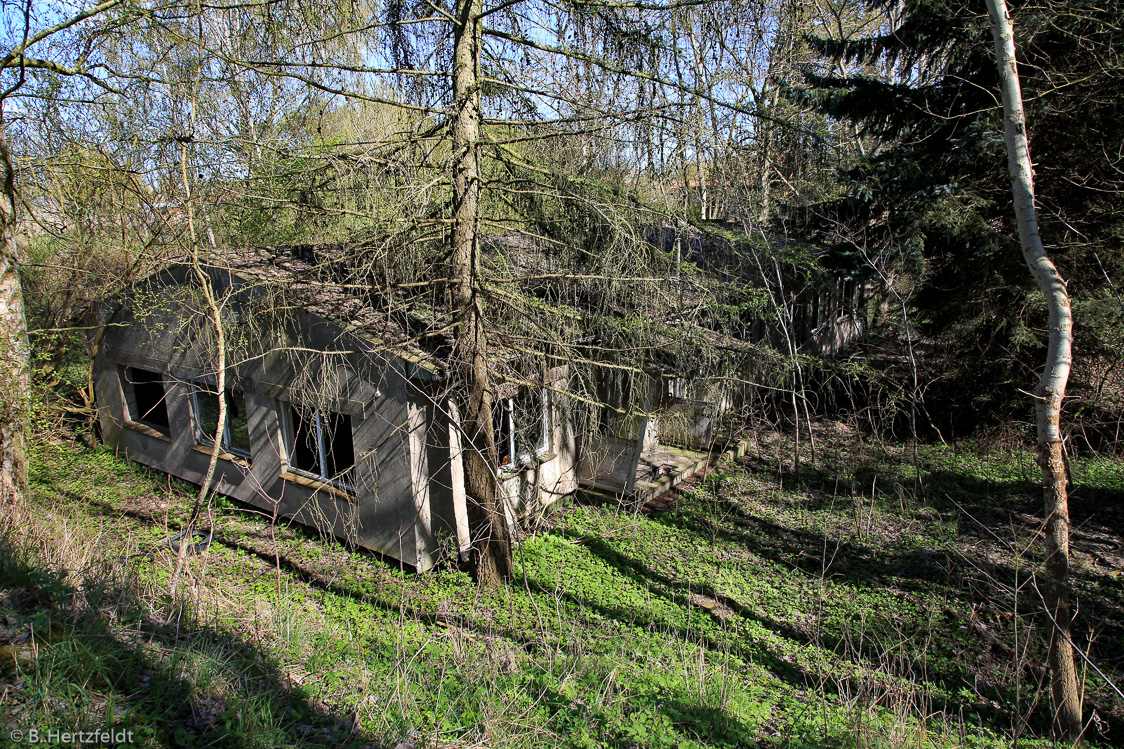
129	384
847	298
677	388
206	388
511	452
343	479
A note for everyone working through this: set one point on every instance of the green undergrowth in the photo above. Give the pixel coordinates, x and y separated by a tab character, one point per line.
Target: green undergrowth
870	598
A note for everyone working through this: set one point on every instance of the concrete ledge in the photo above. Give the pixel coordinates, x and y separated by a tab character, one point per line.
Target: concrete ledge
599	488
318	486
237	460
146	430
732	452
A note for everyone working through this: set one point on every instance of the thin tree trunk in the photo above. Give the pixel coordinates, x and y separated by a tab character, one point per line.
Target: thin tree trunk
493	560
214	309
765	180
15	377
215	312
1051	388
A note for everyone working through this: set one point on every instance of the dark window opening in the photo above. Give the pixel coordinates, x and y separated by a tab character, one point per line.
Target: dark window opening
614	388
304	451
146	398
799	322
339	452
236	431
529	422
501	421
320	444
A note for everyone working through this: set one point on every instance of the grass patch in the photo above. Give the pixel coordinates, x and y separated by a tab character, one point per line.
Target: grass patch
850	605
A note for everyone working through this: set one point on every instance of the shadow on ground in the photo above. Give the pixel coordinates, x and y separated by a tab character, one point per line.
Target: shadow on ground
139	676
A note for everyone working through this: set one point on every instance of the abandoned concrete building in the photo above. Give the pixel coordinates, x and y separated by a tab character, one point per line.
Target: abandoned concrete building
341	415
336	417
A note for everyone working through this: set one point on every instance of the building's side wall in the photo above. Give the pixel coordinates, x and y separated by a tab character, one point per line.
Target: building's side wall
607	461
608	454
351	379
689	423
833	336
554	474
542	480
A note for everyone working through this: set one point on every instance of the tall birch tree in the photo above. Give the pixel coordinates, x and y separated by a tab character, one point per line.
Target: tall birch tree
1051	387
15	382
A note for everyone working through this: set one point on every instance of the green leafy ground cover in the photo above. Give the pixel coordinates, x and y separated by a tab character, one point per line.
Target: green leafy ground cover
855	602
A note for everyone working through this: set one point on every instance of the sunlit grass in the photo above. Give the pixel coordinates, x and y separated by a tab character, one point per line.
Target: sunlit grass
852	606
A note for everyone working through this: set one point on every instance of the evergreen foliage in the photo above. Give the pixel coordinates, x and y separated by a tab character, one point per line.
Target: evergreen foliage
932	197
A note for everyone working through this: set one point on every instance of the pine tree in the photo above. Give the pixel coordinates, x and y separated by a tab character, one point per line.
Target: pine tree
932	192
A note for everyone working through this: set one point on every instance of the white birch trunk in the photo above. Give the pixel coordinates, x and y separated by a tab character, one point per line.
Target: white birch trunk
1051	388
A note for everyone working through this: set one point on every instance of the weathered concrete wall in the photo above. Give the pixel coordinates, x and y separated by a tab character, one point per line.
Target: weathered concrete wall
343	373
689	422
607	460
